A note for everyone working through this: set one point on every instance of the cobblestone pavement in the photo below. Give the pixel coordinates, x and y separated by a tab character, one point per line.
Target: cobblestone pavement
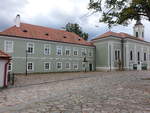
95	92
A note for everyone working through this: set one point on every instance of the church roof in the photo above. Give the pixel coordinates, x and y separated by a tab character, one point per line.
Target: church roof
44	33
119	35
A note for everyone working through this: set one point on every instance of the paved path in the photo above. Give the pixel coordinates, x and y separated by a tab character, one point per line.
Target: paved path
97	92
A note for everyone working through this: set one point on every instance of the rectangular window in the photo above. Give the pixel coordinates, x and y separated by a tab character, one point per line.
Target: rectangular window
46	49
75	66
131	55
117	54
82	52
59	65
67	66
90	53
67	52
75	51
30	48
30	66
47	66
10	66
59	50
145	57
8	46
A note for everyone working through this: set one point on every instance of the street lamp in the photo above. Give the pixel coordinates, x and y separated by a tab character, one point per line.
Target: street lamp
26	61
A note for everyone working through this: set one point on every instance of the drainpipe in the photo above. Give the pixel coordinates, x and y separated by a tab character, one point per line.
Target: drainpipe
122	47
110	56
5	73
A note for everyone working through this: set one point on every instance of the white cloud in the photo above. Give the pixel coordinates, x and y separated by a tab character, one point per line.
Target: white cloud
57	13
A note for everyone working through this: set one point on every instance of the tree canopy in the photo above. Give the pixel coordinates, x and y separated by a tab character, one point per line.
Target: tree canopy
121	11
74	27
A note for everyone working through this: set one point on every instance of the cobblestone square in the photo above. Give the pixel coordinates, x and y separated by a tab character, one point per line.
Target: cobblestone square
91	92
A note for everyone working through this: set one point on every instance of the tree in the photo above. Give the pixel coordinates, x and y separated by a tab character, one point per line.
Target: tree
121	11
74	27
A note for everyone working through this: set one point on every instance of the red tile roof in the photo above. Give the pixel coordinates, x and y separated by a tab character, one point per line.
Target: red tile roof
3	55
120	35
44	33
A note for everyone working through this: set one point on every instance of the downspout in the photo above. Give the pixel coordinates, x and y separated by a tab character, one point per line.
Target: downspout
95	58
5	73
122	47
110	57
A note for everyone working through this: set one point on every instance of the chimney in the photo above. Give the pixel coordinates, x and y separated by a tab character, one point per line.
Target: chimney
17	20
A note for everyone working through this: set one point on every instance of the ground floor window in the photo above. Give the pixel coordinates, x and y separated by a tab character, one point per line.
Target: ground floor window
59	65
75	66
10	66
30	66
67	65
47	66
117	54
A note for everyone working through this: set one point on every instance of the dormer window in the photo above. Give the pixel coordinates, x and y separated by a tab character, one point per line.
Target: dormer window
25	30
46	34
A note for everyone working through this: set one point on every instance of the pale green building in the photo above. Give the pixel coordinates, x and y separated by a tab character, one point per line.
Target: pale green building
122	51
37	49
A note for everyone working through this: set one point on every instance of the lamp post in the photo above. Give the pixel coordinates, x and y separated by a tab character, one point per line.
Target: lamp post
26	61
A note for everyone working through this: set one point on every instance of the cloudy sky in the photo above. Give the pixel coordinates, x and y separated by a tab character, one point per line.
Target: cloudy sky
56	14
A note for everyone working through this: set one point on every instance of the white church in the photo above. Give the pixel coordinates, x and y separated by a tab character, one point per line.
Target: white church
121	51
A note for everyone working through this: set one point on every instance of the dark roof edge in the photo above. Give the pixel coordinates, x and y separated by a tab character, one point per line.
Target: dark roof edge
44	40
120	38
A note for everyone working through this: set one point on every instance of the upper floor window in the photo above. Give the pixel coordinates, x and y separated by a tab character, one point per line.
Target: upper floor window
59	50
30	66
67	52
8	46
131	55
144	56
90	53
30	48
83	52
75	51
47	49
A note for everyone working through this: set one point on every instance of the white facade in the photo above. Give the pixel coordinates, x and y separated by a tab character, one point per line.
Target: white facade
2	72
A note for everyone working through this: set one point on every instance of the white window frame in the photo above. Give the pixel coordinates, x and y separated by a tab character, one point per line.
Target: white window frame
69	65
28	47
48	48
57	65
57	49
32	66
90	53
10	64
7	48
76	65
67	49
75	49
49	66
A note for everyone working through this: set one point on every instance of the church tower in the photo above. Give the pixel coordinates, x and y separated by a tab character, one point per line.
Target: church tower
138	30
